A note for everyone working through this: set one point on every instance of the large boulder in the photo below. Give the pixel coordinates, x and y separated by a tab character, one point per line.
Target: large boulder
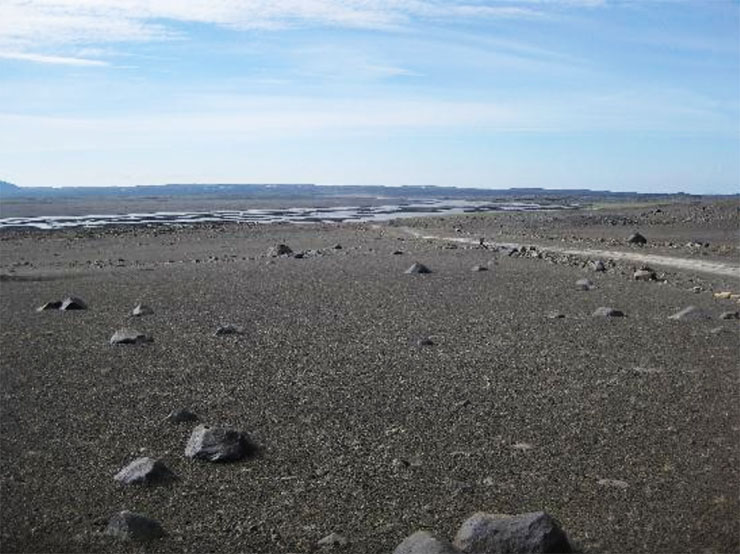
129	526
418	268
423	542
145	471
636	238
690	313
535	532
218	444
127	335
73	303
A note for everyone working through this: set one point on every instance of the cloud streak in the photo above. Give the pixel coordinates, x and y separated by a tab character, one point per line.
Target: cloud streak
53	60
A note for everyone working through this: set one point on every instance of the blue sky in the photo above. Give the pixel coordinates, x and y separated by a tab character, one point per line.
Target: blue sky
602	94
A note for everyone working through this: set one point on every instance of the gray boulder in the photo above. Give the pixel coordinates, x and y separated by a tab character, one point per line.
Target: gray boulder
141	309
418	268
145	471
607	312
525	533
129	526
423	542
584	284
73	303
690	313
218	444
129	336
636	238
279	250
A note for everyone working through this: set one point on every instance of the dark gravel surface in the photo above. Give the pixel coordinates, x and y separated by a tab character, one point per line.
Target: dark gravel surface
624	429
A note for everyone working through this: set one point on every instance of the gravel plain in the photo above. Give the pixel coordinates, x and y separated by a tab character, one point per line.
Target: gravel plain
627	430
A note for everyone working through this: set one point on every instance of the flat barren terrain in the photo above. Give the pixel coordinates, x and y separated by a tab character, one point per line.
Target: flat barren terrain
625	429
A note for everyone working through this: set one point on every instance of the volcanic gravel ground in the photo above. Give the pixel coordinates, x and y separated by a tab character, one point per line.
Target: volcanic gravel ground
361	431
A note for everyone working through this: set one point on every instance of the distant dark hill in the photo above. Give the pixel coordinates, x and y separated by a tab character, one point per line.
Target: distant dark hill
9	189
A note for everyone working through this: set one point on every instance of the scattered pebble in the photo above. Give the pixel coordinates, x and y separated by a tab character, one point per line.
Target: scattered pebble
423	542
616	483
479	268
644	275
145	471
426	341
418	268
53	305
181	416
129	526
636	238
73	303
584	284
555	315
225	330
729	315
607	312
690	313
279	250
141	309
598	265
332	540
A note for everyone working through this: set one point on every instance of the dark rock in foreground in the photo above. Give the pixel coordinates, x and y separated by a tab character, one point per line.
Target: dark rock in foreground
218	444
145	471
141	309
636	238
54	305
73	303
129	526
526	533
423	542
584	284
607	312
181	416
690	313
129	336
279	250
417	269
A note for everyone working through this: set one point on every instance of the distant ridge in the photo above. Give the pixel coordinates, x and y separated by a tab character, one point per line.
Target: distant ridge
307	190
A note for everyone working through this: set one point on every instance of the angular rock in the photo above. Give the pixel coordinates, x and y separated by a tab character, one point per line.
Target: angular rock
729	315
607	312
397	252
129	526
644	275
418	268
337	246
636	238
228	330
584	284
555	315
332	540
54	305
526	533
218	444
129	336
690	313
598	265
279	250
141	309
479	268
426	341
145	471
424	542
73	303
181	416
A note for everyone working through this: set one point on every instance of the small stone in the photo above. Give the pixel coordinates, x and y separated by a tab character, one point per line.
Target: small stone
397	252
129	526
299	255
479	268
73	303
54	305
697	290
636	238
526	533
523	446
218	444
181	416
426	341
424	542
615	483
332	540
141	309
418	268
725	295
337	247
555	315
279	250
644	275
598	265
129	336
145	471
607	312
690	313
225	330
584	284
729	315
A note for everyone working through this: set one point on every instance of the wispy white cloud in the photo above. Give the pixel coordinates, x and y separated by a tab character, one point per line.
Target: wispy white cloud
54	60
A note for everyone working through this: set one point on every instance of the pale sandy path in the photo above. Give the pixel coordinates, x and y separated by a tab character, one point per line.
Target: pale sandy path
687	264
